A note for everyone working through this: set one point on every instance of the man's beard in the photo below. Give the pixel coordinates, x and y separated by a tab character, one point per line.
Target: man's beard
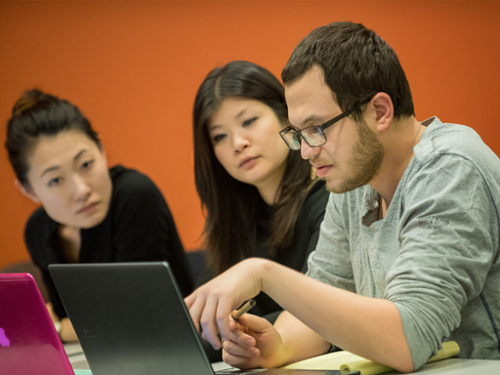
364	162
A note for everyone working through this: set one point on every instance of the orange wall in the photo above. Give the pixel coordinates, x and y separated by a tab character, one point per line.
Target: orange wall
134	67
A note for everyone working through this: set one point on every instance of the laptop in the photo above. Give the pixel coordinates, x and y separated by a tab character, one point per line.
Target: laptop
29	343
131	319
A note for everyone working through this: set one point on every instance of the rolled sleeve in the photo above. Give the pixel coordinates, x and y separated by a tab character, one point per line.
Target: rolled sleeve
448	238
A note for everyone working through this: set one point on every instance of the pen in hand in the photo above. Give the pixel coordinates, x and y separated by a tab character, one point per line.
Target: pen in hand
243	309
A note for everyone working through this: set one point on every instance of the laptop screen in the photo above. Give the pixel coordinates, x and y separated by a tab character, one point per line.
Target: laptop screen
130	318
29	343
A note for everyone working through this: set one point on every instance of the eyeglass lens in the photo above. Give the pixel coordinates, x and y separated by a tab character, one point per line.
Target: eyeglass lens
313	136
292	140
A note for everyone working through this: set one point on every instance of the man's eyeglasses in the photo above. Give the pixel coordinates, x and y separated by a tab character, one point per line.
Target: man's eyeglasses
313	135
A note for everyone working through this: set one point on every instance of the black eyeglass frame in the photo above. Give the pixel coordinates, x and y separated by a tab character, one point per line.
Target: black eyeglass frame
321	128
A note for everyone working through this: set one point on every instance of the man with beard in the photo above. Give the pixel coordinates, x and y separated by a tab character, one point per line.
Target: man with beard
408	255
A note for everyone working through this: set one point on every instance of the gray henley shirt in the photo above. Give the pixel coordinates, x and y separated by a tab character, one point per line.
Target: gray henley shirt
435	255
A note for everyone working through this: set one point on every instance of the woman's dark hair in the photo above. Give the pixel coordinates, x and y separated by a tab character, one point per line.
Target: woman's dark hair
36	114
232	207
357	64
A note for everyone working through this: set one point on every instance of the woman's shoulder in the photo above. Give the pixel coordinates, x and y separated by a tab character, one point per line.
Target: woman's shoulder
38	229
315	203
135	192
121	174
317	193
38	221
129	181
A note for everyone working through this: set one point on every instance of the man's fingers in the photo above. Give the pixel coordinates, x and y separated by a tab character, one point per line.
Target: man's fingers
189	300
224	308
235	349
209	323
238	356
195	307
255	323
240	337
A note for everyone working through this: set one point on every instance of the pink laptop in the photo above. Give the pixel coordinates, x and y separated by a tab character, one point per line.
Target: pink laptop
29	343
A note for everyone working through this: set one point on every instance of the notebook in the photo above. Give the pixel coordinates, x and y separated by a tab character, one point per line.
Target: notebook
131	319
29	343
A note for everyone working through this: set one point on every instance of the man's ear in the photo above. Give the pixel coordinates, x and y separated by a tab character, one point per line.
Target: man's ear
26	192
384	110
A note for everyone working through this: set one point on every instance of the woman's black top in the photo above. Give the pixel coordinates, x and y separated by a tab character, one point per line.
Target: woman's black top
138	227
305	237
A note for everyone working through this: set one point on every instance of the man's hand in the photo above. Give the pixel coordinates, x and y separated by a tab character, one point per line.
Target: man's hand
211	304
253	342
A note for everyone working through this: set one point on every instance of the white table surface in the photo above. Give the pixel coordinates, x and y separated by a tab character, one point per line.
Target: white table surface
457	366
452	366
